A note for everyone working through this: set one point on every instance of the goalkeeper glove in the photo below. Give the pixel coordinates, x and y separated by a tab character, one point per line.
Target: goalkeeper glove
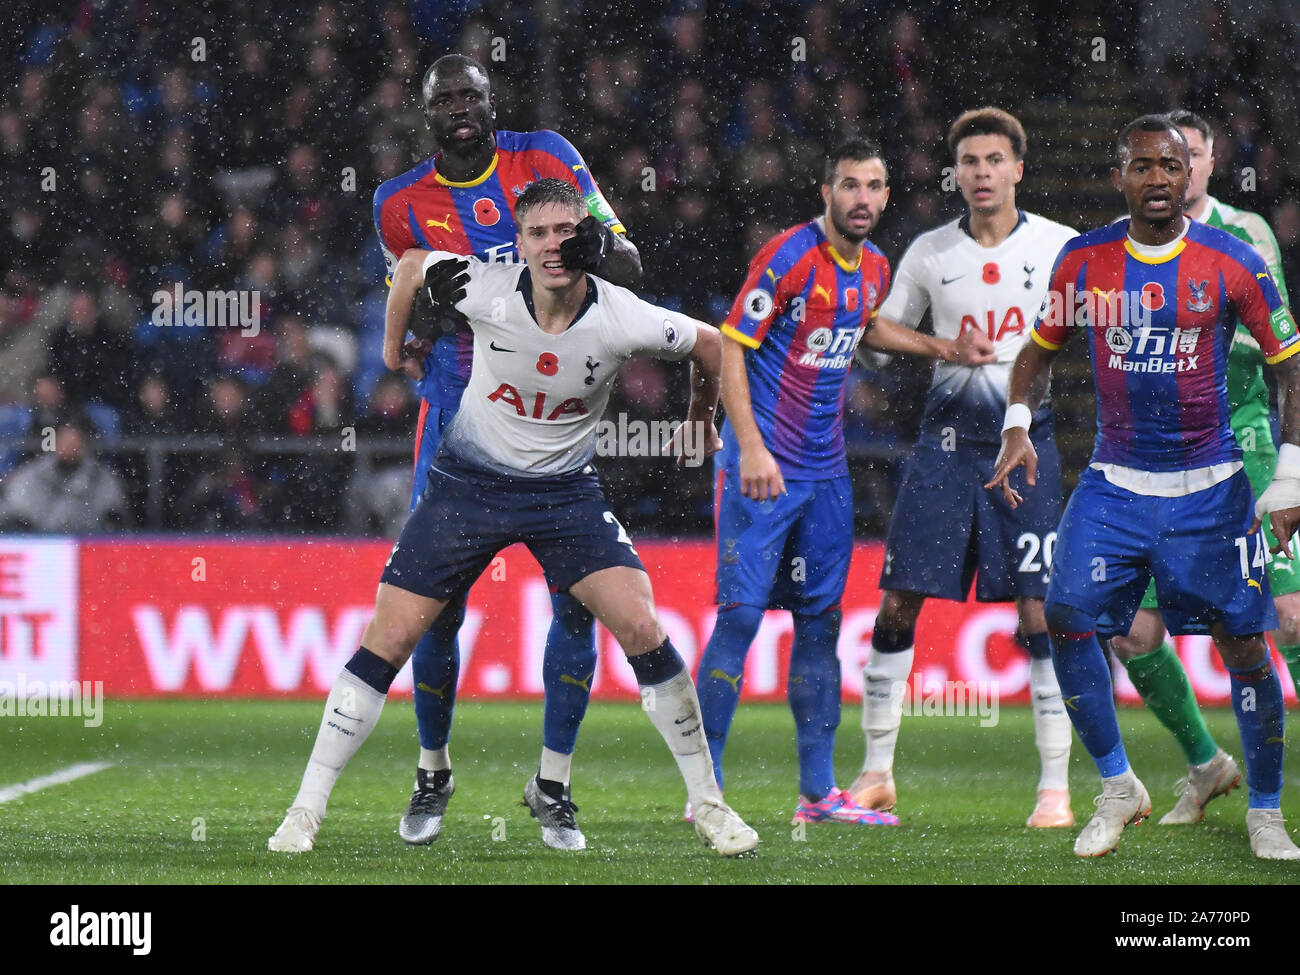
444	286
588	246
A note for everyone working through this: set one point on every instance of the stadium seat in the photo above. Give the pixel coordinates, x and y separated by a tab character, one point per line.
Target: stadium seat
108	424
14	421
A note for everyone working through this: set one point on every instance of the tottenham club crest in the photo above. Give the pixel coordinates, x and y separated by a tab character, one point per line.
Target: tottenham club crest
1200	300
1118	339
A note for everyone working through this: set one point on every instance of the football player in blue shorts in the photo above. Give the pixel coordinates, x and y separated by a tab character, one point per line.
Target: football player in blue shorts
461	201
981	276
515	466
784	501
1152	664
1165	495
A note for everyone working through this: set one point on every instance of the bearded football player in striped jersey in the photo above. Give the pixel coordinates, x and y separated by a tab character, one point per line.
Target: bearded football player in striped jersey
461	201
986	274
515	466
1165	496
785	504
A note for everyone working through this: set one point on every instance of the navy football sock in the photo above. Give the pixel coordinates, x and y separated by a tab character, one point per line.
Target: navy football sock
435	668
659	666
813	689
371	669
722	673
1257	702
1084	676
1037	645
567	670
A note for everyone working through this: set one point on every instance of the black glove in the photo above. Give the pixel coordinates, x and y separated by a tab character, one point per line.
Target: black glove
588	247
444	286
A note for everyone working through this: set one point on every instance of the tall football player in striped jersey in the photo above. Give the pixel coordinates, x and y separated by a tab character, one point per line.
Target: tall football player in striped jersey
461	201
986	272
1165	496
785	504
1152	664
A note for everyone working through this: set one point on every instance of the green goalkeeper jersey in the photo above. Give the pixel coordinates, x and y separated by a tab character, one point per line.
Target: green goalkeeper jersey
1247	391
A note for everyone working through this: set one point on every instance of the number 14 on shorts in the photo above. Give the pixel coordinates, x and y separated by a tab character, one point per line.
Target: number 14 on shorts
1261	557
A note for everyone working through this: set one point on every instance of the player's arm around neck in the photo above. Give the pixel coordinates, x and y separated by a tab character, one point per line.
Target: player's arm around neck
1029	372
760	474
407	279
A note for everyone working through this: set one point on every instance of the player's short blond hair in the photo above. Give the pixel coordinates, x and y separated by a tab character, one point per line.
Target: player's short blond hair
988	121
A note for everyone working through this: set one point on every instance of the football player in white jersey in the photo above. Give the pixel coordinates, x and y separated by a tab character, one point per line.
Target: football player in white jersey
514	466
988	272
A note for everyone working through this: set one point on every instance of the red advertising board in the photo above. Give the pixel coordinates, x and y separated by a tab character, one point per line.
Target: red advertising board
278	617
38	611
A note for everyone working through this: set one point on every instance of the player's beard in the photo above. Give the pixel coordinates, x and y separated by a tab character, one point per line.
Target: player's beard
848	234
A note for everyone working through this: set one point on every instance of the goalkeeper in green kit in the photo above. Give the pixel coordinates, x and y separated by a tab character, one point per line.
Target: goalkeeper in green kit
1151	662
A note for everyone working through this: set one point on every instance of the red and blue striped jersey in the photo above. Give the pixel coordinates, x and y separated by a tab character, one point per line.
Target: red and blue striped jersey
800	314
421	208
1159	332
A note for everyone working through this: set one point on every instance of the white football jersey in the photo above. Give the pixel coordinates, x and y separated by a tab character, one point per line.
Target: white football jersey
997	290
534	399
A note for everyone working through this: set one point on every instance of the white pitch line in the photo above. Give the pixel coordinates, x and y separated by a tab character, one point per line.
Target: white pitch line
69	774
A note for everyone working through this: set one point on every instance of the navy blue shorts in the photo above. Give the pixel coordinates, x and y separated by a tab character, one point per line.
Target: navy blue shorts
791	552
1207	564
945	526
465	517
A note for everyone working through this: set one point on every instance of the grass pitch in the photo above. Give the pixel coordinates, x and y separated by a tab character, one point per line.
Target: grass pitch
195	789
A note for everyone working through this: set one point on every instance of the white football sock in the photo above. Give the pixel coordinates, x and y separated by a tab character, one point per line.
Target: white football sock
351	713
1052	728
435	759
674	708
884	681
555	766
